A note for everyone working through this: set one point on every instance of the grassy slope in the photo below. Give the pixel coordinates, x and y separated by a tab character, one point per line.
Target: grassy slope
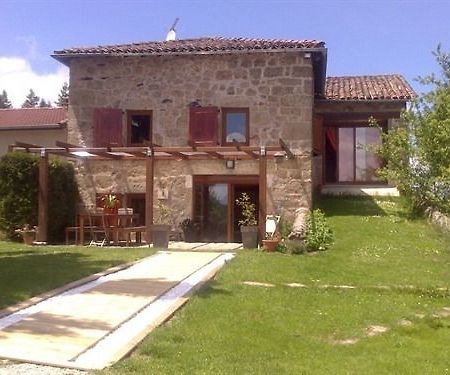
27	271
231	328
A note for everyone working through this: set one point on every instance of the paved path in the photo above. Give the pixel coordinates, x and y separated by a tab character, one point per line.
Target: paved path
97	323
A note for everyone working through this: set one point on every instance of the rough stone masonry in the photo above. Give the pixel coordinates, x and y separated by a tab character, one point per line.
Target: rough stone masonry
277	88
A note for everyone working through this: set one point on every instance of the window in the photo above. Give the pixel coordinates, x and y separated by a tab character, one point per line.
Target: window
139	127
235	126
348	158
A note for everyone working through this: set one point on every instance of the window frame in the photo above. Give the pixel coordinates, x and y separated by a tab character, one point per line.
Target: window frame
225	111
383	124
133	112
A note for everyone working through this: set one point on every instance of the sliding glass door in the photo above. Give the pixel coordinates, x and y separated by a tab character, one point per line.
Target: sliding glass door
348	158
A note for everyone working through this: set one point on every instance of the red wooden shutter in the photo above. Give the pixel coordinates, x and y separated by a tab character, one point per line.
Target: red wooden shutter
107	127
203	124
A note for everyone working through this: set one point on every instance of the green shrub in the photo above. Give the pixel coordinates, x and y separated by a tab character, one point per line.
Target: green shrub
285	228
18	192
295	247
318	234
19	178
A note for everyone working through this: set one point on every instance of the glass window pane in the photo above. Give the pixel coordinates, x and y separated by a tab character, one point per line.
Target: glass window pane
236	127
366	162
346	148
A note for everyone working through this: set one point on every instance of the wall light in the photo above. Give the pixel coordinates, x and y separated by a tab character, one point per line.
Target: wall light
229	163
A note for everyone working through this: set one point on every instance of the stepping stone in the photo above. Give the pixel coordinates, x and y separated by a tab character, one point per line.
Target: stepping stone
255	283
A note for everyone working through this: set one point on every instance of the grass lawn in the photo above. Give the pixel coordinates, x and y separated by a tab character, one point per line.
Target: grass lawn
400	270
27	271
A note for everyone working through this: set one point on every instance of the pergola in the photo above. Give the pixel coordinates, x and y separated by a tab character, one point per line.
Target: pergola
151	153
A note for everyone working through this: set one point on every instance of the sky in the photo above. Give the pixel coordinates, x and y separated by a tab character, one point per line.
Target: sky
363	37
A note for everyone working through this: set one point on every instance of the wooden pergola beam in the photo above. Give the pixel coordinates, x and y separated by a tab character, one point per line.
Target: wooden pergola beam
215	154
251	154
262	193
286	149
179	155
27	146
42	234
149	182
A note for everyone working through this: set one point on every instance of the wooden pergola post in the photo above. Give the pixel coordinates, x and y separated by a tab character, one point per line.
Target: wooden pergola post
262	193
42	234
149	176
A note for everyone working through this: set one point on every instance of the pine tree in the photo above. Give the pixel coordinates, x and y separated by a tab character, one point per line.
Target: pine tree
63	97
32	100
4	101
44	104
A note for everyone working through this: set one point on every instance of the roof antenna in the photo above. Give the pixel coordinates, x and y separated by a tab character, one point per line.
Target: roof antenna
172	35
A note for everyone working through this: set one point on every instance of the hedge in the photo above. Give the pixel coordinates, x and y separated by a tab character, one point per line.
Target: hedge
19	178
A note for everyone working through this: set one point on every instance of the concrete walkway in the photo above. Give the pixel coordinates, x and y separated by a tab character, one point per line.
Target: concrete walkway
95	324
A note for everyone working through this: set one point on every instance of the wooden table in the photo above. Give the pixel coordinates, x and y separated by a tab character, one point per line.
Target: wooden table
124	220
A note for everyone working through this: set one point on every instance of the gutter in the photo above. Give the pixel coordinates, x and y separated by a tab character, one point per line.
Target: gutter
62	56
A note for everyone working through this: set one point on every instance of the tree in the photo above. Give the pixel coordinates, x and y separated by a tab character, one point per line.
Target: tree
32	100
44	104
4	101
417	155
63	97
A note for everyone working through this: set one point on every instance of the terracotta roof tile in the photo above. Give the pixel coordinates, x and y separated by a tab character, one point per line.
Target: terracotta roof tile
194	46
31	117
380	87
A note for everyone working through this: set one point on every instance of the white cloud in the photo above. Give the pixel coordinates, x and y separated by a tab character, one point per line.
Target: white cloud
17	78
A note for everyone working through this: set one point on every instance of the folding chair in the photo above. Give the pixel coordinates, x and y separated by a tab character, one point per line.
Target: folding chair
272	222
100	235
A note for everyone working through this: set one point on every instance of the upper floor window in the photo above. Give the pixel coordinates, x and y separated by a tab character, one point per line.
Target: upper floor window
235	126
139	127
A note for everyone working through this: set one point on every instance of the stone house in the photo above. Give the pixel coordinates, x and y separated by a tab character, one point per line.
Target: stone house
218	95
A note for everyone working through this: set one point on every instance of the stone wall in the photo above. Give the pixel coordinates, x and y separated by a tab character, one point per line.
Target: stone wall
276	87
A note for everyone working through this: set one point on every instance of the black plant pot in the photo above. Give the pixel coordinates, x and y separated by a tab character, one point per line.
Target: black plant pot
249	237
160	235
190	236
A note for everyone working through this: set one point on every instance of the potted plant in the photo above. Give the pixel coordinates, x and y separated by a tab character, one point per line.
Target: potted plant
248	223
28	234
270	243
160	231
110	203
190	230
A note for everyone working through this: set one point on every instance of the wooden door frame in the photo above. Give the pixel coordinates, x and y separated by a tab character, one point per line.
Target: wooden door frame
230	181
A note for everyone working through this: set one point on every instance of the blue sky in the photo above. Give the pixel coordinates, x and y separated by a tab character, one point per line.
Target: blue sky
362	37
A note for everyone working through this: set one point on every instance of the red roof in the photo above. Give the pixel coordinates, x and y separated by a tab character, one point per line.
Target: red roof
360	88
35	118
194	46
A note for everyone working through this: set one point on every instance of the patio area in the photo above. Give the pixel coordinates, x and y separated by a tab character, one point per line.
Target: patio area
150	154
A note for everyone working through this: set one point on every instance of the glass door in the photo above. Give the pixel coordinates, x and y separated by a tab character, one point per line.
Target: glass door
356	163
215	208
211	211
